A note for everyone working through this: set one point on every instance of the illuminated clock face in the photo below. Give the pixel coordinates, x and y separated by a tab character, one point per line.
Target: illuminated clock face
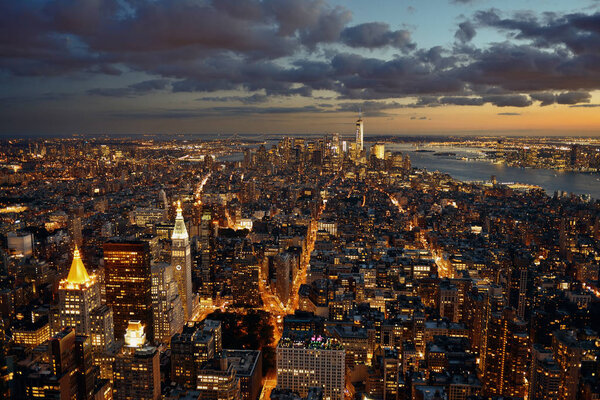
178	268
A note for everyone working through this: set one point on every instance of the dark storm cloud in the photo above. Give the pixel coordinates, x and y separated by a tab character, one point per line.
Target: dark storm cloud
462	101
465	32
295	47
561	98
580	33
216	112
573	98
514	100
132	90
499	100
544	98
376	34
370	108
253	99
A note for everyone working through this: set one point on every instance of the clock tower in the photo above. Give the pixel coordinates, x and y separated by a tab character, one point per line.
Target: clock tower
181	259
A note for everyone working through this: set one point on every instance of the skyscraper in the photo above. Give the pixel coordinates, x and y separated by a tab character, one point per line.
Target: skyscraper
217	380
378	150
197	343
569	353
245	281
507	355
544	375
137	368
129	284
314	361
359	134
283	265
181	259
79	295
166	303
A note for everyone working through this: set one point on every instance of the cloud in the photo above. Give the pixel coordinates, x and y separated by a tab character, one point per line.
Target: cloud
376	34
499	100
253	99
296	47
465	32
547	98
573	98
133	90
577	32
509	113
215	112
370	108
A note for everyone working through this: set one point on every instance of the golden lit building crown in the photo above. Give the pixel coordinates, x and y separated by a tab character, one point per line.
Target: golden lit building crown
78	275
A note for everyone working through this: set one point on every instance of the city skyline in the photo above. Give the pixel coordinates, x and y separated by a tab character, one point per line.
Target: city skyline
302	66
306	268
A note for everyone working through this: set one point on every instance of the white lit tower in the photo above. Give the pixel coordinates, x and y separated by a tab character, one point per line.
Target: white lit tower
181	260
359	133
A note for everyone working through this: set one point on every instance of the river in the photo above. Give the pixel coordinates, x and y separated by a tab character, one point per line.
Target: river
482	170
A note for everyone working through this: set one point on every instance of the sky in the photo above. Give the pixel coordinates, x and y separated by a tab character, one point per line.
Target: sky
300	66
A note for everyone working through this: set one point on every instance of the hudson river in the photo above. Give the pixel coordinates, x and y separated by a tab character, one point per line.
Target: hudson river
481	170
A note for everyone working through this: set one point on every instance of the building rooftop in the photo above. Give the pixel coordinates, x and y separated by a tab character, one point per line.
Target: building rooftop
243	361
310	342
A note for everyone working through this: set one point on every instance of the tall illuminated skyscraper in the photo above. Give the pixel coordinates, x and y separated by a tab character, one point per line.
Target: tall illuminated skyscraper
79	295
166	303
128	281
137	367
359	134
181	259
507	355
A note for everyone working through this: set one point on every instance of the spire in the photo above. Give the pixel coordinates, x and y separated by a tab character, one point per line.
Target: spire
77	273
180	231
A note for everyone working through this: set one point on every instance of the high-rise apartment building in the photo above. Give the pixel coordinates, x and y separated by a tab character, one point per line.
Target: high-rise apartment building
314	361
102	334
544	376
569	353
128	282
197	343
245	281
248	368
507	355
217	380
181	259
